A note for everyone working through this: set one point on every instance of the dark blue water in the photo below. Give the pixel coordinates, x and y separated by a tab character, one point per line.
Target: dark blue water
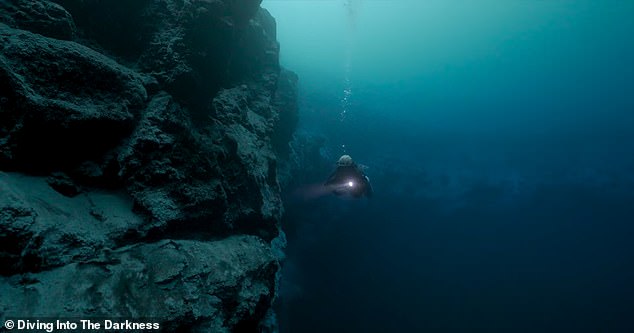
500	143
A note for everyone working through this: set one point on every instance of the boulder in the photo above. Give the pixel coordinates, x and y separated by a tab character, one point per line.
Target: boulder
39	16
194	48
163	282
61	102
41	228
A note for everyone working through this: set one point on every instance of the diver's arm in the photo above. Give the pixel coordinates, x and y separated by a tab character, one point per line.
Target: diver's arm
331	178
369	192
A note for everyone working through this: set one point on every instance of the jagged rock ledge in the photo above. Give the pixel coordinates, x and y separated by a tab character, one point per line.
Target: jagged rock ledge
139	148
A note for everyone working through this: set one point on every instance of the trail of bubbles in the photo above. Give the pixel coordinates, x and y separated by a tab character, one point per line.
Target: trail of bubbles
352	8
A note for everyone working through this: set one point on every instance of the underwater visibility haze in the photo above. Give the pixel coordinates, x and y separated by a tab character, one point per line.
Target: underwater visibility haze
499	139
169	163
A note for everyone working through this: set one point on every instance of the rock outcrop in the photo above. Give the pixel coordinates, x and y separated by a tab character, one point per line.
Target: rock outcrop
54	92
138	161
42	17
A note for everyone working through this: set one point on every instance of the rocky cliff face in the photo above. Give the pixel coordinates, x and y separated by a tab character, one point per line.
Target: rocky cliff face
138	161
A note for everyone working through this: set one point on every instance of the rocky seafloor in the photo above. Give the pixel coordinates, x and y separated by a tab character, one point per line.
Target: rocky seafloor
140	144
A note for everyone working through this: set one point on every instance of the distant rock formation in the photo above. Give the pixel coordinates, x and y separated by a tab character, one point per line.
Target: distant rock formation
139	146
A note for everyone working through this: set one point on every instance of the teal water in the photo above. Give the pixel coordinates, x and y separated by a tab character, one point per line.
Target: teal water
499	137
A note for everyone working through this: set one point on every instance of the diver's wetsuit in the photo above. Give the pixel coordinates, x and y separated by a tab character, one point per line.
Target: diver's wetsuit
343	175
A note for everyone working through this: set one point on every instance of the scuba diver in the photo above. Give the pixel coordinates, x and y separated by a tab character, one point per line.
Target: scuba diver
349	179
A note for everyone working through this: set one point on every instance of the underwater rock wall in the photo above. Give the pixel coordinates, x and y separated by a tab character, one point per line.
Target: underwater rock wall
138	161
